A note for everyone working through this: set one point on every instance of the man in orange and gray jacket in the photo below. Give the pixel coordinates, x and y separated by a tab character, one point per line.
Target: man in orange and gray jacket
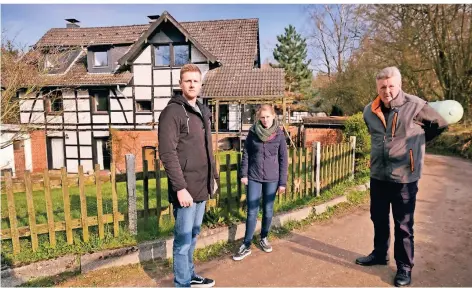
399	124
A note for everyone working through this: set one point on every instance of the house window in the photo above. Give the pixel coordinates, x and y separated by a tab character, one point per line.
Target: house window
177	92
181	55
48	62
143	106
99	100
54	101
100	58
162	55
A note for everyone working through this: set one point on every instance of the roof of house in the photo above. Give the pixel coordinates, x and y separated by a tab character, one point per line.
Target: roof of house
233	43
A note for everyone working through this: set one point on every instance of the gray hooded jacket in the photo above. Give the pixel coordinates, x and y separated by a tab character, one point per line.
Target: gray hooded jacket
398	142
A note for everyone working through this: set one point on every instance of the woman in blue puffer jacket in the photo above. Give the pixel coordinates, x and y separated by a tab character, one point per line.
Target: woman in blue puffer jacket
264	171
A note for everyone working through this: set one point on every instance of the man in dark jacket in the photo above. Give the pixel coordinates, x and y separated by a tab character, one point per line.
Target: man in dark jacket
185	148
399	125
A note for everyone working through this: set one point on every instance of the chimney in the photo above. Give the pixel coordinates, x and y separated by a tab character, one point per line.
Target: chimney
153	18
72	23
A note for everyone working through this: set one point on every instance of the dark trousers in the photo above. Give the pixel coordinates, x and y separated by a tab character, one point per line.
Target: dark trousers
403	200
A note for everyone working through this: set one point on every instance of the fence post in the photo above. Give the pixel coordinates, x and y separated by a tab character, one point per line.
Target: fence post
146	189
98	185
317	156
238	180
157	168
294	157
49	211
31	210
131	189
116	224
66	198
12	213
352	140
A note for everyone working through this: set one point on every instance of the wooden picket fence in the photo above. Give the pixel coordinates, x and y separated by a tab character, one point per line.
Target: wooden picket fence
84	223
311	170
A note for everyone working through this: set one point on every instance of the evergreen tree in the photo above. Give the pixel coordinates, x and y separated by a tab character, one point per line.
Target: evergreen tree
291	54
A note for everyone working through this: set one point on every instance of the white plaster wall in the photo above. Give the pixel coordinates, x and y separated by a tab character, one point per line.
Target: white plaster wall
119	117
71	137
175	76
86	151
143	118
101	134
71	152
162	92
126	103
83	104
162	77
84	117
54	119
7	159
72	165
195	55
70	117
142	93
144	57
100	119
87	164
160	103
85	138
142	74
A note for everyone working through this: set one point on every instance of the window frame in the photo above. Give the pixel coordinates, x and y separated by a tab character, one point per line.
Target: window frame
50	102
138	106
93	93
108	59
172	54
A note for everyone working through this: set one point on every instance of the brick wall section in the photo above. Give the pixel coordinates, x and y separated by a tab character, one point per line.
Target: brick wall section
324	135
223	139
131	142
19	156
39	150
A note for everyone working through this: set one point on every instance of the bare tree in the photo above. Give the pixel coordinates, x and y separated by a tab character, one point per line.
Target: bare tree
24	73
431	44
335	34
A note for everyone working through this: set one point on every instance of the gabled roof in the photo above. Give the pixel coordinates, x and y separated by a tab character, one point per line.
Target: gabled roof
85	36
142	41
233	43
234	82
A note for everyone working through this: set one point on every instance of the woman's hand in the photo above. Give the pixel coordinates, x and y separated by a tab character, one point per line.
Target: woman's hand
282	189
244	180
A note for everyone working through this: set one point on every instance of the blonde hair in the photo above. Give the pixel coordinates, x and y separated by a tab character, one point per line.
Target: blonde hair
265	107
388	72
189	68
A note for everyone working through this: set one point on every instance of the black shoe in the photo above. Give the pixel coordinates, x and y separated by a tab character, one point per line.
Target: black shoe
372	260
265	245
198	281
403	278
242	253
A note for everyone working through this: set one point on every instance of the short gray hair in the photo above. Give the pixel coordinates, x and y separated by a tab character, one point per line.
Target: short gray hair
388	73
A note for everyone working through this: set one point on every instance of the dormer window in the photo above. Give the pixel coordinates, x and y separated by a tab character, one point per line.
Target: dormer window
100	58
48	62
174	55
181	55
162	55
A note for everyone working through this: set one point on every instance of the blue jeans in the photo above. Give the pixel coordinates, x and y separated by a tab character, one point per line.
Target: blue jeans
254	189
187	227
